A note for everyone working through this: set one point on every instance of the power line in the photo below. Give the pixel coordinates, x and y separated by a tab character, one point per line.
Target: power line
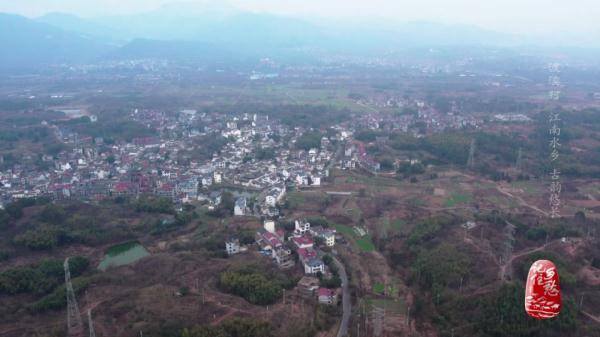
74	322
91	323
471	160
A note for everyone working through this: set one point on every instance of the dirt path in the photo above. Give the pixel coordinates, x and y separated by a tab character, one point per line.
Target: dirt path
502	191
506	267
592	317
521	201
470	241
231	310
230	313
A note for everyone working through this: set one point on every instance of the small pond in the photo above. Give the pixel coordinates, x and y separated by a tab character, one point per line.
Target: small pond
123	254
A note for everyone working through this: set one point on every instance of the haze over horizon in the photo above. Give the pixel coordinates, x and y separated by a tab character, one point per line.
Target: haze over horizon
533	17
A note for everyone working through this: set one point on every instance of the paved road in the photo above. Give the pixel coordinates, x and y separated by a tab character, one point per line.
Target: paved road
346	303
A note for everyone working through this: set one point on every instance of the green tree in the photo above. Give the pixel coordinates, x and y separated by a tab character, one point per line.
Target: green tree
41	278
227	203
439	266
4	219
52	214
264	153
253	286
41	238
154	205
235	327
309	140
501	314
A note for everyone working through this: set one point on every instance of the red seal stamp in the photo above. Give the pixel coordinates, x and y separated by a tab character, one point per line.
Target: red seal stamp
542	292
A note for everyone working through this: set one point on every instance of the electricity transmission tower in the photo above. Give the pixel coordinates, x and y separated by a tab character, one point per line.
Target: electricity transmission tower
471	160
519	163
378	321
91	324
74	323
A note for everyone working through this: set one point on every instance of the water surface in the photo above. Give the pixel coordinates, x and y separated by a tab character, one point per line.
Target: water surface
123	254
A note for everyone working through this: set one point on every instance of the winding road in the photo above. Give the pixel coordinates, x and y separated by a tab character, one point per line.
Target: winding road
346	303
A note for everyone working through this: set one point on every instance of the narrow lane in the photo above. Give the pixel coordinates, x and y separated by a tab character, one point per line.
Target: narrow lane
346	302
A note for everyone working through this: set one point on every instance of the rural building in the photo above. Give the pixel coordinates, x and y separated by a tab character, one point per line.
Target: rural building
269	226
314	266
327	296
232	246
240	206
301	227
307	287
283	257
303	241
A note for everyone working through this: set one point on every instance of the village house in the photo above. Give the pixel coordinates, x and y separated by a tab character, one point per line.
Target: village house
189	188
328	235
122	189
329	238
283	257
314	266
308	286
301	227
267	240
308	258
240	206
232	246
306	254
302	241
271	212
217	177
270	200
269	226
215	198
301	180
326	296
207	181
348	164
166	190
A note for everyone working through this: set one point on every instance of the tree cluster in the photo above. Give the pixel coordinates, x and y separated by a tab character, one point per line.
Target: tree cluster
154	205
253	286
41	278
309	140
236	327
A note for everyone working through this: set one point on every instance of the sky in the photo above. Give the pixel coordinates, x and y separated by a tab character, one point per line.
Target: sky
514	16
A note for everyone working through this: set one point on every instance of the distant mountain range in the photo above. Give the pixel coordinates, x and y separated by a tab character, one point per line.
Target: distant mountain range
27	43
216	34
75	24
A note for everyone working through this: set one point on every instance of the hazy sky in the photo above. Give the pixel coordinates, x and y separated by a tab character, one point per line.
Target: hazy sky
522	16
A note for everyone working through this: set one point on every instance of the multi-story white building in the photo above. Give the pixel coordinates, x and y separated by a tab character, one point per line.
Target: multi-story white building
301	227
269	226
240	206
232	246
329	239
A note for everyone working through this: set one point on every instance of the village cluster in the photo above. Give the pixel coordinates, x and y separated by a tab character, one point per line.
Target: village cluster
165	165
305	240
258	154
